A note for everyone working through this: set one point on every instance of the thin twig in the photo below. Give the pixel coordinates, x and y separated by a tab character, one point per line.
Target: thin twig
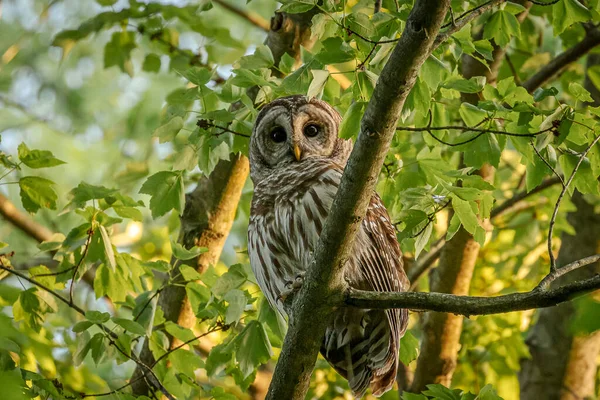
481	131
548	164
90	233
463	20
205	123
214	329
548	279
560	197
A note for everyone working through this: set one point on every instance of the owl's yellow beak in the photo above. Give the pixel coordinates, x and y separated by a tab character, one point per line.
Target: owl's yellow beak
297	152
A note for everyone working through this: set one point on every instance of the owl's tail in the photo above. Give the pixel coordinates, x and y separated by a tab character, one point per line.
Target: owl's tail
359	344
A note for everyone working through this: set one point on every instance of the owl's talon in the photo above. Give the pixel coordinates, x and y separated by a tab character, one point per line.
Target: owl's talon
291	287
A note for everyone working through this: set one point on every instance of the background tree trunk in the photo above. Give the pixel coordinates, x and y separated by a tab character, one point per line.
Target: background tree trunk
563	366
441	331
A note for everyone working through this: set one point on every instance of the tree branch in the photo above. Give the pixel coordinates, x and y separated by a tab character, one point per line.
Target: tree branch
23	221
560	62
472	305
249	16
311	308
460	22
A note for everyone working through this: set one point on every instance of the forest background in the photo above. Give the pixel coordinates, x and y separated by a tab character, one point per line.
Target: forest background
124	192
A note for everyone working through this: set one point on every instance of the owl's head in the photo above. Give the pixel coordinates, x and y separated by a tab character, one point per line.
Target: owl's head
295	129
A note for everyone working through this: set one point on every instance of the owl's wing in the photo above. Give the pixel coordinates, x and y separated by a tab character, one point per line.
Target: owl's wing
363	344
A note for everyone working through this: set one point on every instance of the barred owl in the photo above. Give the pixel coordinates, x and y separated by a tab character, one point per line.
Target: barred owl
296	163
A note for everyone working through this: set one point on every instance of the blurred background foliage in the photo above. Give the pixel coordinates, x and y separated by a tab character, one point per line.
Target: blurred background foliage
114	90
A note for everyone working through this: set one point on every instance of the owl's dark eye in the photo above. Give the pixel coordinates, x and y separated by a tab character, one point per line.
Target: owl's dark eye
311	130
278	135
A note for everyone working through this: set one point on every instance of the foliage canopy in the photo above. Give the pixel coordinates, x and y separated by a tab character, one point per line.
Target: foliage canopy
113	110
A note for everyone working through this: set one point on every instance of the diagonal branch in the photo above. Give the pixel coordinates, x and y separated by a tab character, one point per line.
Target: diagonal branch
560	62
311	308
23	221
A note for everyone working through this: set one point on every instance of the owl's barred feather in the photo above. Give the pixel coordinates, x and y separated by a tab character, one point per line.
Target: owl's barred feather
292	199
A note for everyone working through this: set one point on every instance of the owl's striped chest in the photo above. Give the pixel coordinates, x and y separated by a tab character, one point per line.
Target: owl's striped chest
288	213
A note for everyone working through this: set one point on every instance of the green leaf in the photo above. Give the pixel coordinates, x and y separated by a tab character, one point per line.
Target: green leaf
167	192
262	58
482	150
182	253
488	393
335	51
472	85
168	131
422	240
253	347
297	6
130	325
189	273
85	192
350	125
286	64
501	27
117	52
513	8
584	179
185	362
151	63
409	348
98	348
106	3
82	326
183	334
232	279
237	302
419	97
97	317
540	94
361	24
465	213
440	392
579	92
37	158
37	192
567	12
197	75
318	83
83	347
129	212
108	248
